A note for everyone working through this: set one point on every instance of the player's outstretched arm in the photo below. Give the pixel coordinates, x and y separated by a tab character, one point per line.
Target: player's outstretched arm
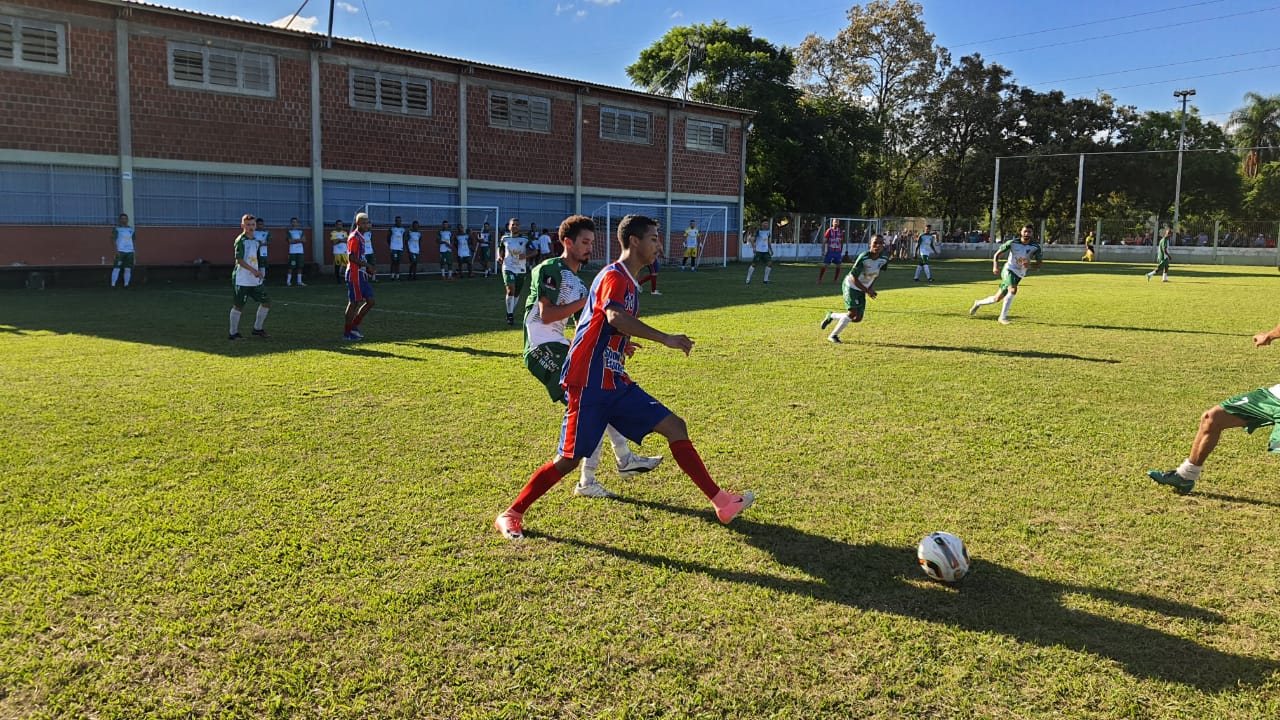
629	325
1265	338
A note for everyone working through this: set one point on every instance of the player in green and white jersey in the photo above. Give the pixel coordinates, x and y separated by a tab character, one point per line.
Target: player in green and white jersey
1252	410
926	247
296	263
1024	255
1162	257
858	286
395	243
122	237
262	237
557	294
513	248
247	279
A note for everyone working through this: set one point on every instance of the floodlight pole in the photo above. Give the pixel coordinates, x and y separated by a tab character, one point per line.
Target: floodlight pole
995	204
1182	140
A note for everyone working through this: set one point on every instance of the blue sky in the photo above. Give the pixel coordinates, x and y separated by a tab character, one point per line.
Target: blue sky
1221	48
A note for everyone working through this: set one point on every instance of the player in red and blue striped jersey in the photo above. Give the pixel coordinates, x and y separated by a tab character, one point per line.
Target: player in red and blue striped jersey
599	391
359	271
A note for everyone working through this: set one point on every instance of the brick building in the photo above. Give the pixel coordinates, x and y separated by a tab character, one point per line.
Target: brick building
185	121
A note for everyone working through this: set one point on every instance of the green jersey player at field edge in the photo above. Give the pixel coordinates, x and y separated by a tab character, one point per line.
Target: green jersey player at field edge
858	286
1162	257
1024	254
247	279
296	250
512	250
262	237
1252	410
395	244
122	236
763	251
926	247
556	294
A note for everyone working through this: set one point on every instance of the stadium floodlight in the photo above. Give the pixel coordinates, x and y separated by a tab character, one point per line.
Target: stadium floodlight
1182	142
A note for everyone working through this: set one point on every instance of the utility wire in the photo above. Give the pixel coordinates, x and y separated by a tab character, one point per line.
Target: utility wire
296	13
1091	22
1191	77
372	32
1155	67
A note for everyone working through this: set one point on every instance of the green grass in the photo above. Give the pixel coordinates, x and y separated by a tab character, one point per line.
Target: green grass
298	527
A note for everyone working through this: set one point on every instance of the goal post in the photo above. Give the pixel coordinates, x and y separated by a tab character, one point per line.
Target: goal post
468	218
712	222
801	237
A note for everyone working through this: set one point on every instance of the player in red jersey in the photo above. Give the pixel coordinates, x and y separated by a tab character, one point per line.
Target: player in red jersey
359	291
833	242
599	392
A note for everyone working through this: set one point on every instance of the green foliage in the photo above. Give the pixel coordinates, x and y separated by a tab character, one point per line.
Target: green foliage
296	527
1263	191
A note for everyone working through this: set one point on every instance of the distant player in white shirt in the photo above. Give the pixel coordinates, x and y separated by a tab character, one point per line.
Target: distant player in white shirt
395	242
446	251
691	247
122	238
338	238
926	246
247	279
763	251
262	237
413	244
464	250
513	248
296	251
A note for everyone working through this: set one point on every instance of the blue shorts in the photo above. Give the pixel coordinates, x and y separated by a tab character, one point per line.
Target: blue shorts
358	291
630	410
832	256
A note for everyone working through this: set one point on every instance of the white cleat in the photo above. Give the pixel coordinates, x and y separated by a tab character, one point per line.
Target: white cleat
638	464
1004	320
591	488
974	310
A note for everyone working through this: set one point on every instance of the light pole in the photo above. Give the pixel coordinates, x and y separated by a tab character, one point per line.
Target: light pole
1182	139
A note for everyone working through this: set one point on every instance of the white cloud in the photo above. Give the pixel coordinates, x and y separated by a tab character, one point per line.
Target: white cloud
348	8
561	9
677	15
580	14
305	24
604	3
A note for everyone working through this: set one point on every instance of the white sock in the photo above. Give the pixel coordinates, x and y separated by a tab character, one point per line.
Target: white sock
591	464
511	305
128	275
750	270
115	276
767	269
1163	276
260	318
1153	272
989	300
917	277
235	321
841	324
1189	471
1004	309
928	274
619	442
288	277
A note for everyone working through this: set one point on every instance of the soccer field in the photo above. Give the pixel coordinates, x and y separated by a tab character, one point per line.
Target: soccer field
301	527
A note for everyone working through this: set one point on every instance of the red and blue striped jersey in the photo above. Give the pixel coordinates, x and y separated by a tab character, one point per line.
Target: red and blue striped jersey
355	250
834	238
596	357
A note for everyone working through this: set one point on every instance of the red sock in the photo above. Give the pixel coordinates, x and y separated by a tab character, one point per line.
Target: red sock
690	462
822	272
346	328
544	478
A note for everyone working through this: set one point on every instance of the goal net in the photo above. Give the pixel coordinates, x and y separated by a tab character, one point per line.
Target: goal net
462	219
710	221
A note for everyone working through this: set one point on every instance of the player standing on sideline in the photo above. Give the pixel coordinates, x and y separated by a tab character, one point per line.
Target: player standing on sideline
395	243
533	255
690	247
598	391
122	237
556	293
1088	248
833	241
369	263
413	242
1253	410
464	250
1162	257
926	246
446	251
359	292
338	236
248	278
482	248
763	252
650	274
263	236
858	286
296	263
511	253
1024	253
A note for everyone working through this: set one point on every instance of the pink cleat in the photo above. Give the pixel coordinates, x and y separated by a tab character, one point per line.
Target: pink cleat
735	504
508	523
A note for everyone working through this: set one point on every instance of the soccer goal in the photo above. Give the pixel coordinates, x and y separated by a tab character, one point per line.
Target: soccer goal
711	222
468	219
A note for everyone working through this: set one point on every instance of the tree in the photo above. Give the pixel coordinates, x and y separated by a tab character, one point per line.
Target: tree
1210	182
1263	195
1257	125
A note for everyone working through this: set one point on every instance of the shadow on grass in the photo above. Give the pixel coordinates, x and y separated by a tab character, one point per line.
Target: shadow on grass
1127	328
464	350
993	599
1026	354
1234	499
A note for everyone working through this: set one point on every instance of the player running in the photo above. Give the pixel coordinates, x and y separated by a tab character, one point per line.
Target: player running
599	392
1024	254
858	286
557	294
1162	257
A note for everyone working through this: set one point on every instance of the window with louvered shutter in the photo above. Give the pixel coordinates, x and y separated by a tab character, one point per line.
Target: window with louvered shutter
372	90
705	136
222	69
33	45
625	125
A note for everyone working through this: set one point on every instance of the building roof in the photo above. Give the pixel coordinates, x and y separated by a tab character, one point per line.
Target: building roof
313	37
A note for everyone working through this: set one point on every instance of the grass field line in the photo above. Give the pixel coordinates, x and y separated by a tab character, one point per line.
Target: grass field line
379	309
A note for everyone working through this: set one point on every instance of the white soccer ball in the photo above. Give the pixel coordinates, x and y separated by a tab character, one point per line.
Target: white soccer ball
943	557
